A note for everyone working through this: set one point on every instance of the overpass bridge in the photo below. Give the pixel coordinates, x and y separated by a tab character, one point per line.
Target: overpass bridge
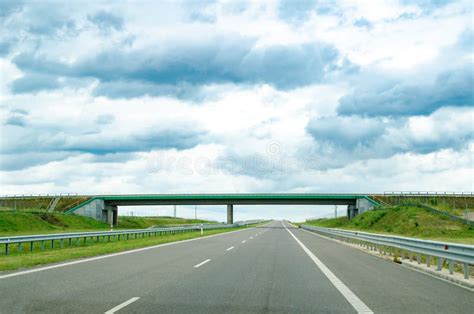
105	207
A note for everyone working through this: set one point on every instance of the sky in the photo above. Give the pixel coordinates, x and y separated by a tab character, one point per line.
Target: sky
111	97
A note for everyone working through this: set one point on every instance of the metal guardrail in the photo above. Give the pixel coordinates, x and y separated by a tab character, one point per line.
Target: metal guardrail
402	246
385	193
7	242
425	193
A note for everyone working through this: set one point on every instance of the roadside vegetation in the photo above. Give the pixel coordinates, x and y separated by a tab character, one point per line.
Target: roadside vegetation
40	204
23	223
25	259
411	221
129	222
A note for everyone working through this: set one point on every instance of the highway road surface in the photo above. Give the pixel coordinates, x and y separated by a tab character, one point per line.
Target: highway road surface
274	268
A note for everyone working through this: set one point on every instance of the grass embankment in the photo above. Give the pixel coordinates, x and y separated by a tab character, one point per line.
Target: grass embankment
40	204
128	222
408	221
22	223
17	260
19	223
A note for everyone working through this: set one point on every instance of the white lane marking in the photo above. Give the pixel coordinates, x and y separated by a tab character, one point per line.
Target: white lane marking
25	272
251	237
122	305
202	263
243	241
230	248
356	303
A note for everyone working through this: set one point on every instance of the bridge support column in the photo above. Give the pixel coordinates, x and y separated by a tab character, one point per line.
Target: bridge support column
230	213
110	215
351	211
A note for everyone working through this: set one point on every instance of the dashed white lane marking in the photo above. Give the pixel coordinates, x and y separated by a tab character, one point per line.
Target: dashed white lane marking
122	305
243	241
356	303
251	237
202	263
230	248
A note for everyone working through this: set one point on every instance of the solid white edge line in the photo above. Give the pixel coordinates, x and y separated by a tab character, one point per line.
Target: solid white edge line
243	241
421	271
25	272
122	305
202	263
230	248
251	238
356	303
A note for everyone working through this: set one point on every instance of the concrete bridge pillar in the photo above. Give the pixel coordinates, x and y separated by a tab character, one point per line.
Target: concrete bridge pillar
230	213
352	211
110	215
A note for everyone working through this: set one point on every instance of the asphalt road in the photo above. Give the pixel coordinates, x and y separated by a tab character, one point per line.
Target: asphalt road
266	269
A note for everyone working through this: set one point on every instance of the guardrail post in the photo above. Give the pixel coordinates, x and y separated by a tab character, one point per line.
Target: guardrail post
19	247
418	258
70	242
98	239
32	246
451	267
42	245
52	244
61	243
6	248
428	260
466	270
440	264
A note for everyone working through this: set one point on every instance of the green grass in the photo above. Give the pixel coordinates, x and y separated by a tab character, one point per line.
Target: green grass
408	221
18	223
29	204
129	222
22	223
25	259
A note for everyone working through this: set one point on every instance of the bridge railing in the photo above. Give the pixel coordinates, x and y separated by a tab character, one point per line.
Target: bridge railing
61	239
426	193
404	247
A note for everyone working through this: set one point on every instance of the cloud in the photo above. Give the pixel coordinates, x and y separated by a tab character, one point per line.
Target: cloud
180	68
381	96
348	132
105	119
35	139
341	140
16	117
299	11
363	23
10	7
107	21
33	82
